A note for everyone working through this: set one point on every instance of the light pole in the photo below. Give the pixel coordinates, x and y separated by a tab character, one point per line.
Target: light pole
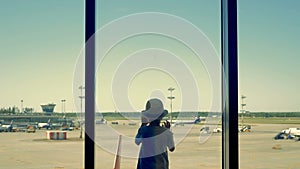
243	104
63	106
171	98
81	97
242	108
21	106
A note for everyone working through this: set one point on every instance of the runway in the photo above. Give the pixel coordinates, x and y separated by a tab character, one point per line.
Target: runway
257	150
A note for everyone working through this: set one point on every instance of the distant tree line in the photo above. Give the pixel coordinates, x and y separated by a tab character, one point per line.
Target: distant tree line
15	110
270	114
205	114
9	110
117	115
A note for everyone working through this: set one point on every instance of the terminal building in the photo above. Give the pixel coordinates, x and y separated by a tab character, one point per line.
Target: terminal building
48	108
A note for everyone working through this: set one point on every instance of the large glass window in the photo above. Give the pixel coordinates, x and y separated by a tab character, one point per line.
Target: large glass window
268	81
40	41
168	50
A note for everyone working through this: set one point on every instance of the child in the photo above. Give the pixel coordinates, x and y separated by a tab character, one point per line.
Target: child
154	138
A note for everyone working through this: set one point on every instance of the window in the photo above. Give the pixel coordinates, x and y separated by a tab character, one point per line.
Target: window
144	49
268	73
51	27
40	41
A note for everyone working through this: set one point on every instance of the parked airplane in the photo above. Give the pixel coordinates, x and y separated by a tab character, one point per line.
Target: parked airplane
47	125
288	133
183	122
7	127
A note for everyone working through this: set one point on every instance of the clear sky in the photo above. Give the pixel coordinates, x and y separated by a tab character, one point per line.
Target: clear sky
269	55
41	40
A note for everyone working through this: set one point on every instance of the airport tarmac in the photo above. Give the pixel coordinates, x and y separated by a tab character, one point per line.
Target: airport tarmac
258	150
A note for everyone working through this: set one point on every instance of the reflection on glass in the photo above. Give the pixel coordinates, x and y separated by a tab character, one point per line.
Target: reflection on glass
144	49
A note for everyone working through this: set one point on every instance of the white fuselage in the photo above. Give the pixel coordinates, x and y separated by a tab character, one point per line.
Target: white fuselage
293	131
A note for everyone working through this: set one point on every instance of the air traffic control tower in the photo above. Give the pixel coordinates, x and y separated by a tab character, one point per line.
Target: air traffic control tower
48	108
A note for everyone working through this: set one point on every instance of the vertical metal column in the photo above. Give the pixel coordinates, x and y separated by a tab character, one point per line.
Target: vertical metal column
230	142
89	148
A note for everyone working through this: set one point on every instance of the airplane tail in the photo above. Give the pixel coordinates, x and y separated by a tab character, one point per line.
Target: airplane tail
279	136
10	127
197	120
117	164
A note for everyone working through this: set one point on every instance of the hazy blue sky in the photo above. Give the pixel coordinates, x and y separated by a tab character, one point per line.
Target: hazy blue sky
268	54
41	40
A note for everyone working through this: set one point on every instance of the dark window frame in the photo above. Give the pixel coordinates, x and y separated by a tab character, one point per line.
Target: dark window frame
90	26
230	140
